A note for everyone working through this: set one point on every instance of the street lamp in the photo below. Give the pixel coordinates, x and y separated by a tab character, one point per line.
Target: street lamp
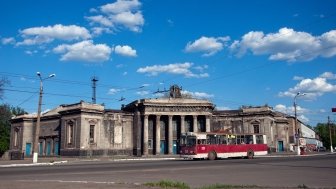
37	129
296	126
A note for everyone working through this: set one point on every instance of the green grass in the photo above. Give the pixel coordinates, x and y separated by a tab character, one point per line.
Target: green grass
182	185
227	186
168	184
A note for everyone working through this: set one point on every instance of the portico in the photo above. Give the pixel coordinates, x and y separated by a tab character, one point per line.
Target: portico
163	120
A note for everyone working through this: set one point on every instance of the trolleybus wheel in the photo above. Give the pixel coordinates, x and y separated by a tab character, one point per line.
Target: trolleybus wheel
212	155
250	154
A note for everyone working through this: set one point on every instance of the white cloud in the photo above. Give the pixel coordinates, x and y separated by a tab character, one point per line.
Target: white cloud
313	88
298	78
328	75
177	69
322	111
113	91
29	52
37	40
207	45
170	22
121	14
287	45
8	41
222	108
96	31
201	68
142	93
125	51
290	109
120	6
303	118
100	19
200	95
84	51
145	85
132	21
40	35
93	10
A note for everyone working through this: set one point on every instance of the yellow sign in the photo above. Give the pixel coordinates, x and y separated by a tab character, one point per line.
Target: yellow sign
231	136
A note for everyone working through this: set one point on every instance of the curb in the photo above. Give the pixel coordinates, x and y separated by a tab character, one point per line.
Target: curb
34	164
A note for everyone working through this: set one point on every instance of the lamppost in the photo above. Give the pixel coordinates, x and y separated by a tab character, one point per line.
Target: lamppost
296	127
37	129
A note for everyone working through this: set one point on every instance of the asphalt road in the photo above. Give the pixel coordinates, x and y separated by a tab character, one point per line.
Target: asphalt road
313	171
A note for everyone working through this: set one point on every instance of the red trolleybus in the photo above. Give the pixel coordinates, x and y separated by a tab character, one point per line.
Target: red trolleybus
219	145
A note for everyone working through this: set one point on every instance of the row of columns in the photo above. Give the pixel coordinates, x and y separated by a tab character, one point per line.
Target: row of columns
170	132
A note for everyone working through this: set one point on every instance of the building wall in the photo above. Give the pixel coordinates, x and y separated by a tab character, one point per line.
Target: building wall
141	127
306	131
23	130
255	119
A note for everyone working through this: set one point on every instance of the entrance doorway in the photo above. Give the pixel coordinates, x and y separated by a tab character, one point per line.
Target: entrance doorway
163	147
280	146
28	149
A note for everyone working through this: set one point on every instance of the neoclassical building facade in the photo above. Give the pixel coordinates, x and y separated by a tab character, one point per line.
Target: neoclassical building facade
143	127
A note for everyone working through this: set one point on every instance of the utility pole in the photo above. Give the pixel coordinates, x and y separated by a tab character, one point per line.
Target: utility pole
295	124
94	81
331	146
38	122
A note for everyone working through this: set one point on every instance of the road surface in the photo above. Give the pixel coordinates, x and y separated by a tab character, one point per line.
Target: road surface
313	171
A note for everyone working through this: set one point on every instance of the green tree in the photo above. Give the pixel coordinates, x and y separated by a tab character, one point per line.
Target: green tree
6	113
322	129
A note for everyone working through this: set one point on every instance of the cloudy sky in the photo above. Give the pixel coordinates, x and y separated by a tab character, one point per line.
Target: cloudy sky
233	53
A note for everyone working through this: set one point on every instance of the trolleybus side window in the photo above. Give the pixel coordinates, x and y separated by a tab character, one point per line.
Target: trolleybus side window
232	139
183	140
201	141
249	139
222	139
212	139
259	139
191	141
241	139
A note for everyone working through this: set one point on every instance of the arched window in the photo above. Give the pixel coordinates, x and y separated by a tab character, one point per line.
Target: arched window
256	129
16	137
70	132
92	134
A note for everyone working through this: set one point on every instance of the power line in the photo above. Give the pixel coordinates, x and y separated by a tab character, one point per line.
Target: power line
59	94
26	100
70	82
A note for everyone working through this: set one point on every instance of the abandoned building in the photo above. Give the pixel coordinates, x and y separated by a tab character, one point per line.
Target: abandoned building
144	127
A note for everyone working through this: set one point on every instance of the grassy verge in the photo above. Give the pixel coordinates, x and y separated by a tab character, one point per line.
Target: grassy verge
181	185
228	186
168	184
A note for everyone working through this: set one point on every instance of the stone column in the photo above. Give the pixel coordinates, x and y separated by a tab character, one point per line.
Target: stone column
137	125
157	135
145	136
182	124
52	143
207	123
170	134
195	129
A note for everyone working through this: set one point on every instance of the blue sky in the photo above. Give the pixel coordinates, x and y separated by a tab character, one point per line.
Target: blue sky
233	53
